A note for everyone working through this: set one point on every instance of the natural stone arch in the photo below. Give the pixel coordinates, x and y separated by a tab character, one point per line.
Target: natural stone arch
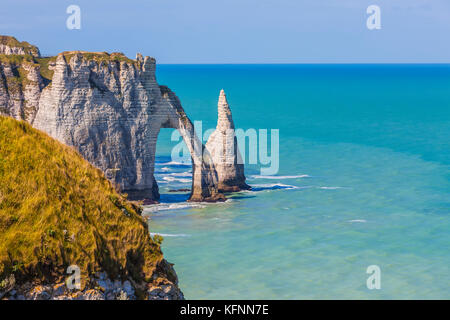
111	109
204	175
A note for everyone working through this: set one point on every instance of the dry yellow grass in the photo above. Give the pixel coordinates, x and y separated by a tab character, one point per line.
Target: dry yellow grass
57	210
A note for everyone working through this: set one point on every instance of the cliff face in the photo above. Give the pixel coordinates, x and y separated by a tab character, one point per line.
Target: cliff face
20	79
104	106
111	109
20	86
10	45
223	147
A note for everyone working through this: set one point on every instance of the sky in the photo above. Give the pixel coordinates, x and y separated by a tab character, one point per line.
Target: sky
239	31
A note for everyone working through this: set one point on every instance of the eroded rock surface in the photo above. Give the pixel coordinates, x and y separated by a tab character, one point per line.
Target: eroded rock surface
163	287
111	109
10	45
224	150
20	87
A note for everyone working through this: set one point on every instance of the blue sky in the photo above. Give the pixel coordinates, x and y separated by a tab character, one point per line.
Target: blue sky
239	31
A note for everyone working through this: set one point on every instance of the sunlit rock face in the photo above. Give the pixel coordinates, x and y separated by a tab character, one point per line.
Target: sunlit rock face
113	112
20	79
224	150
9	45
111	109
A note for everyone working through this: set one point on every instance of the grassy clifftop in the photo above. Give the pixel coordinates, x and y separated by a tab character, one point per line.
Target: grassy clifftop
14	43
100	57
58	210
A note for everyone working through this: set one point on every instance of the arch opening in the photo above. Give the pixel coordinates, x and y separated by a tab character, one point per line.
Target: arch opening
173	167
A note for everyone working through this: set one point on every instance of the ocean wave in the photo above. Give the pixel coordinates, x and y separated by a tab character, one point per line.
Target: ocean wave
358	220
170	235
174	163
181	174
331	188
280	177
172	206
173	179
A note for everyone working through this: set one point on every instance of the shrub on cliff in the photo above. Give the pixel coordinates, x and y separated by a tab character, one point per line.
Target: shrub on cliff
58	210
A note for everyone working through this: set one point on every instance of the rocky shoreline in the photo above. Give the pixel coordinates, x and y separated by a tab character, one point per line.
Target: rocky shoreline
101	288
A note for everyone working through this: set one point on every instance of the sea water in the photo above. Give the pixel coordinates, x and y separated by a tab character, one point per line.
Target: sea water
364	180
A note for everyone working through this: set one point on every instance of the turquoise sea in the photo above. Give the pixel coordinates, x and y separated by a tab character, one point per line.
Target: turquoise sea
364	180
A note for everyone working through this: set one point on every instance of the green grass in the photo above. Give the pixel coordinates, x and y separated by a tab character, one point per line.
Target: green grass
17	62
57	210
16	58
101	57
44	64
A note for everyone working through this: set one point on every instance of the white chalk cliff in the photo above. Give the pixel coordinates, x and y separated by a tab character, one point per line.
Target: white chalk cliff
111	109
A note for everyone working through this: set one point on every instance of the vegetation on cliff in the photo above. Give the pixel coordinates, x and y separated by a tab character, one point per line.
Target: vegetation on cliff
100	57
58	210
14	43
46	65
18	65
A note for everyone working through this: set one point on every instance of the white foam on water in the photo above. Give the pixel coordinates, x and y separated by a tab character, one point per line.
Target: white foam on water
173	179
358	220
331	188
181	174
172	206
280	177
174	163
170	235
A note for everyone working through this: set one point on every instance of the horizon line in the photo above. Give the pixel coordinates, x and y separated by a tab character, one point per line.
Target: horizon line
44	54
303	63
